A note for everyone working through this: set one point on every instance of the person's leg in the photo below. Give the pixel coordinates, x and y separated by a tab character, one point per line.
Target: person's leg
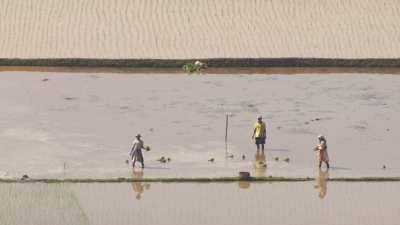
327	164
262	147
258	144
320	164
142	164
134	161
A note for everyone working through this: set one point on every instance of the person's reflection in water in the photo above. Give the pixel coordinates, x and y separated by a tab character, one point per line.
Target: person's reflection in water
322	181
138	187
244	184
260	164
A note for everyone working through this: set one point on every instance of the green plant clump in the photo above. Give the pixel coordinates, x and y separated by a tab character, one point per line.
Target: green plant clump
191	67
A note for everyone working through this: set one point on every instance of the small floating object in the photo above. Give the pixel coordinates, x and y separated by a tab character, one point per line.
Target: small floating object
162	159
169	159
387	129
243	157
24	177
383	167
211	160
244	175
286	160
230	156
260	164
276	158
279	127
126	161
147	148
45	79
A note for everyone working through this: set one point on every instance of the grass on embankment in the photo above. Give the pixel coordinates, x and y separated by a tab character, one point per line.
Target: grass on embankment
211	62
200	180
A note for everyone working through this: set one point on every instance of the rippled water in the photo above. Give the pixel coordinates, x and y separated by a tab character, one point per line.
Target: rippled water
195	203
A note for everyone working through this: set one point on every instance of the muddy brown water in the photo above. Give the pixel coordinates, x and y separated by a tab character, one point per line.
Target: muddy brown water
58	125
310	203
55	125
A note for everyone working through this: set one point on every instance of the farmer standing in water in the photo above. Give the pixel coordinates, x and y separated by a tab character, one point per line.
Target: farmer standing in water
322	149
136	151
259	133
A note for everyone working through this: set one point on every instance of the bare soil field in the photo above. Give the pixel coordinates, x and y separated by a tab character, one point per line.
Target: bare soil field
199	29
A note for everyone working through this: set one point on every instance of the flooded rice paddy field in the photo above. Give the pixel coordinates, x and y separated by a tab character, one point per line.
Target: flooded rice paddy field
308	203
81	125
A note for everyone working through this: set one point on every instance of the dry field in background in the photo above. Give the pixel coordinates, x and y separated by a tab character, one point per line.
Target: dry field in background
199	28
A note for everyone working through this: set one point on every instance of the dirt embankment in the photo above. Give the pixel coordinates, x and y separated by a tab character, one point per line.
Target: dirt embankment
211	62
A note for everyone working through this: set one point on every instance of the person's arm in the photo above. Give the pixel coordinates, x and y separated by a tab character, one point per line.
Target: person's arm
323	145
141	144
265	131
254	133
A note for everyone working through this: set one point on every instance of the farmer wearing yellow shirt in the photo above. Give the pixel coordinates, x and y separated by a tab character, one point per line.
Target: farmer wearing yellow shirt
260	133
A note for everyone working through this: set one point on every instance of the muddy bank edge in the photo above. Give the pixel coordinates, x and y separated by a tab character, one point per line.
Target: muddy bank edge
199	180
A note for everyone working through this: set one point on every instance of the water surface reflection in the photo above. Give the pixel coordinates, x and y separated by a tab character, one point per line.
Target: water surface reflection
260	164
322	181
139	187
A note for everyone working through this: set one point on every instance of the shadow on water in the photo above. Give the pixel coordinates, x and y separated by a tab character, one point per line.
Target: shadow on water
139	187
276	150
322	183
339	168
157	168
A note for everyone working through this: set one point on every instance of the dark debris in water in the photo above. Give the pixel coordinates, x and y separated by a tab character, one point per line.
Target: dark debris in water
287	160
162	159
